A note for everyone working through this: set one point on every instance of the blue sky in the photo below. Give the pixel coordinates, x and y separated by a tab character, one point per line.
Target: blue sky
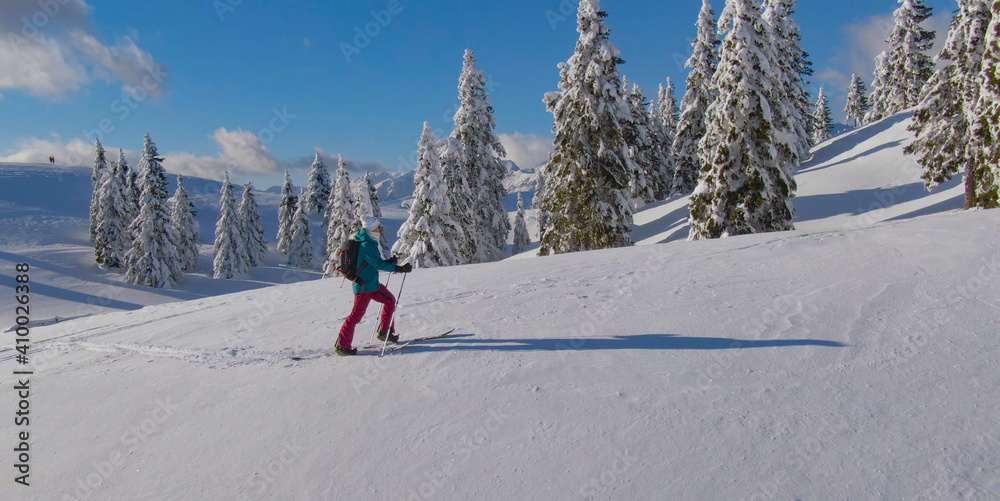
258	86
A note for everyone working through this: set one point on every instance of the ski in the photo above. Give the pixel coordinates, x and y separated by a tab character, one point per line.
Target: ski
403	344
373	347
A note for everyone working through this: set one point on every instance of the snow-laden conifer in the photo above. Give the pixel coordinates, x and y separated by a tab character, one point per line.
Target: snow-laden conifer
474	124
252	227
745	187
906	66
232	259
112	236
97	180
663	119
152	259
318	189
286	211
343	223
132	190
943	119
366	205
857	102
587	198
697	98
877	100
636	132
300	251
795	66
538	200
522	241
428	237
182	214
986	120
669	110
822	119
457	176
793	109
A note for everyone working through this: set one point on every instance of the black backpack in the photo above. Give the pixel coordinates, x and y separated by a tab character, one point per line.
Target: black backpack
348	266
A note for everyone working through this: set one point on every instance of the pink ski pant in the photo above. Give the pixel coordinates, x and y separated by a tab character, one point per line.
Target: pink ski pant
361	301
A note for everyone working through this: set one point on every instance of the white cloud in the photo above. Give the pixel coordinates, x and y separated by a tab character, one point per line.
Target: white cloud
241	153
76	151
51	49
526	150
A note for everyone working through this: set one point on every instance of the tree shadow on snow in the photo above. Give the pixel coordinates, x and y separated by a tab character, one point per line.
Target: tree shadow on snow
638	342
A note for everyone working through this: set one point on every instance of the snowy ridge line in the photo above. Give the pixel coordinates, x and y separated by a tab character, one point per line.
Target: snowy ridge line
47	321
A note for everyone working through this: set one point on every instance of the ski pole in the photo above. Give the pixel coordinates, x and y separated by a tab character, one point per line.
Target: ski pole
393	318
381	309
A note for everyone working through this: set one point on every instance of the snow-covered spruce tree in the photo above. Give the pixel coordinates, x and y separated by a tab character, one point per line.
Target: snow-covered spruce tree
428	237
474	124
111	240
942	120
366	205
669	110
460	195
822	119
878	104
152	259
97	180
231	256
286	211
789	65
185	227
986	123
252	227
587	179
697	98
636	132
744	187
857	102
522	241
132	189
342	221
663	118
300	252
907	66
318	189
538	200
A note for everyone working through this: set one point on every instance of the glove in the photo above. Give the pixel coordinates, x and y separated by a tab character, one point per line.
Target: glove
393	260
406	268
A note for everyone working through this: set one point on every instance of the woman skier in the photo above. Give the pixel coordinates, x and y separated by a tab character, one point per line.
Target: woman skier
368	288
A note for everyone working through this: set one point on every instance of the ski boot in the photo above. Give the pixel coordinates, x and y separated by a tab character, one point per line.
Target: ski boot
345	352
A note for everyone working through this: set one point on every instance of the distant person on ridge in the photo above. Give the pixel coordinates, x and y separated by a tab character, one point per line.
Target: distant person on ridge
367	288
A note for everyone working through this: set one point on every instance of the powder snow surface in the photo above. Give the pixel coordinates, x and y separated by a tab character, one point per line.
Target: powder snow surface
855	359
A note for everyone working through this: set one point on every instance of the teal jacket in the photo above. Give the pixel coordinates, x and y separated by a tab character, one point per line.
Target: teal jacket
370	262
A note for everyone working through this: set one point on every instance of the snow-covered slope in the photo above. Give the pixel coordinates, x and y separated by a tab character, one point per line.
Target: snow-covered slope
855	179
848	364
854	358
